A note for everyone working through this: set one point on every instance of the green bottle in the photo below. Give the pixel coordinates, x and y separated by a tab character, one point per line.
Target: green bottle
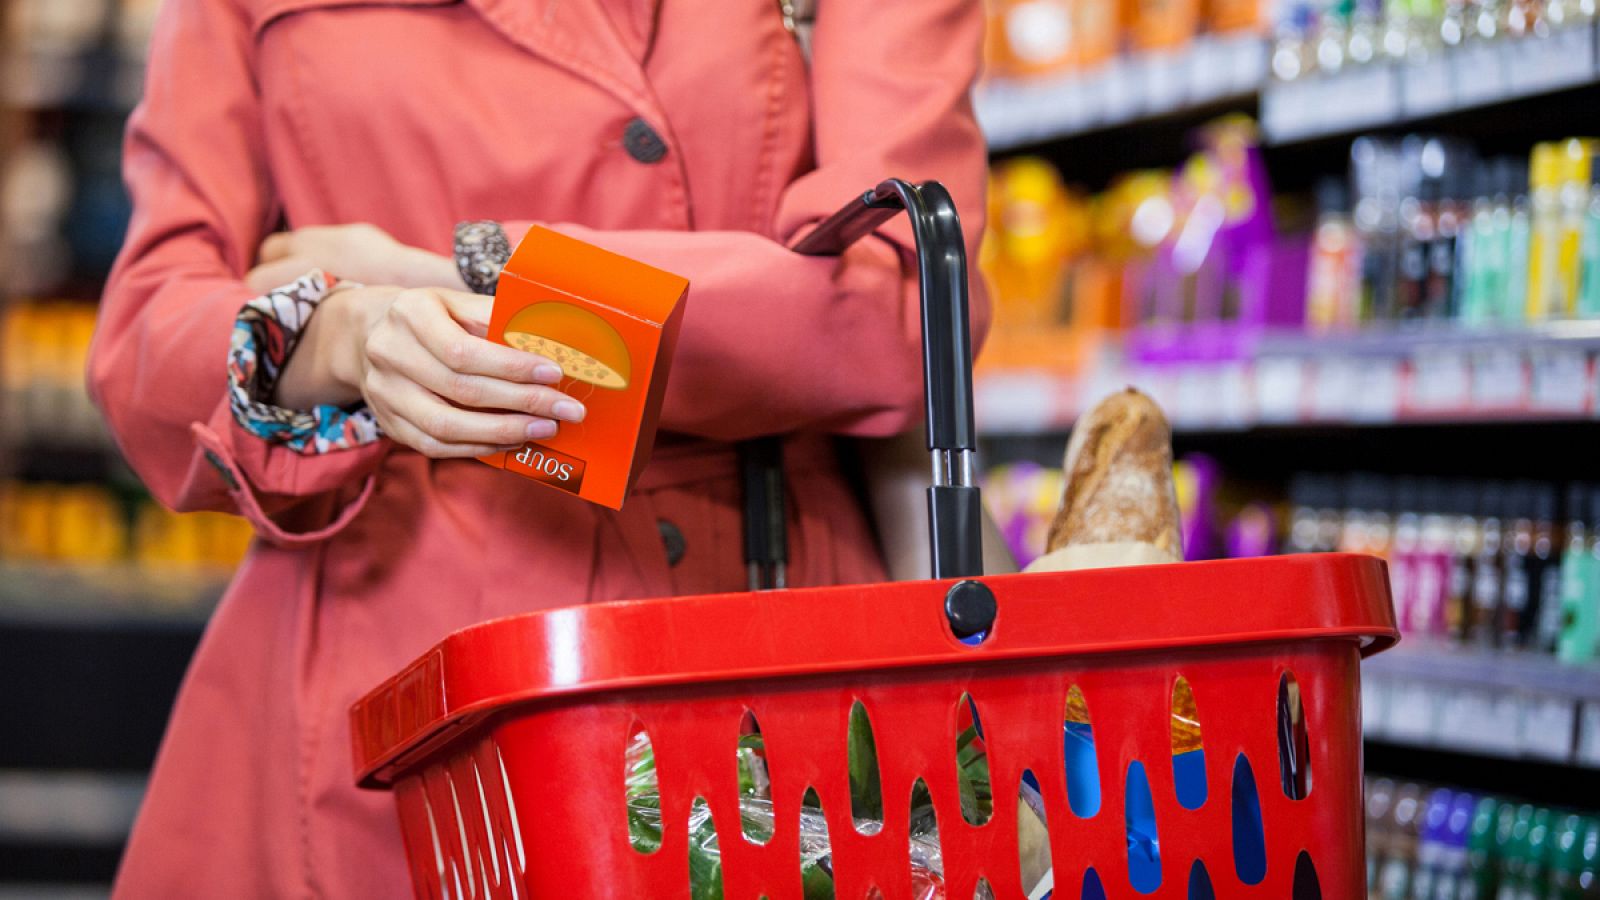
1514	853
1536	871
1566	866
1518	241
1481	853
1580	577
1589	252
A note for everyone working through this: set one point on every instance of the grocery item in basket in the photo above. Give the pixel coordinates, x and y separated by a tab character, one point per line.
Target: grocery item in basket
757	817
611	324
1118	506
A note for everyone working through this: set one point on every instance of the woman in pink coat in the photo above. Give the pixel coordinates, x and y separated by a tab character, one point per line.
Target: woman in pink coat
695	136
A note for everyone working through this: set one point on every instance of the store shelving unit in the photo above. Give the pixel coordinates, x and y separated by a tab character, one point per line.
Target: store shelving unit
1231	72
1401	400
1282	379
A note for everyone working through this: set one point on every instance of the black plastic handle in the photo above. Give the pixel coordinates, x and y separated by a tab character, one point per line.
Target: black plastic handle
955	514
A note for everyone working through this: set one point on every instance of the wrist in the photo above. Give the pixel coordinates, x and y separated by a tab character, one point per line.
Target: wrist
424	269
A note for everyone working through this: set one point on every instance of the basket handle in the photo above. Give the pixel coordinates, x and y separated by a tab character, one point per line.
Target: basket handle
955	513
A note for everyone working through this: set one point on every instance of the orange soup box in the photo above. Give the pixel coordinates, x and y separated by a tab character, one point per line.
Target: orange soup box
611	324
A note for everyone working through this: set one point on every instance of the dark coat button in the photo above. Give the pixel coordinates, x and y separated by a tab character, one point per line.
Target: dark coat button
642	142
672	540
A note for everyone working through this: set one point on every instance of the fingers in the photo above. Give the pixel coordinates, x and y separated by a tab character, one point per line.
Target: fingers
276	246
277	273
420	419
483	392
434	318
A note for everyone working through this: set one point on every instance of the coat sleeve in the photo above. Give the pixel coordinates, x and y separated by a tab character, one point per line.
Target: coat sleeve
194	163
775	342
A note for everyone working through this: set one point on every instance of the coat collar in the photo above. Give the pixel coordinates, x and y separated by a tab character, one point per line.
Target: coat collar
603	41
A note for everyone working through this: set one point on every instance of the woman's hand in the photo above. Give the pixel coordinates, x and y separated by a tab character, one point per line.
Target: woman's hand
360	252
420	360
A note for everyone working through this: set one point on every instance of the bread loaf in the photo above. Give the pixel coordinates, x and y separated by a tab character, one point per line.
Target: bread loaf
1118	506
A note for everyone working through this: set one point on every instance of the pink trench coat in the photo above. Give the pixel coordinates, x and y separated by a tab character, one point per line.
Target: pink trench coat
414	114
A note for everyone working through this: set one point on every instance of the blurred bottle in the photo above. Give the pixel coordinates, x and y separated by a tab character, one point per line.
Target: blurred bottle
1482	855
1518	237
1441	299
1481	627
1518	569
1333	288
1572	877
1588	305
1544	285
1541	629
1379	804
1376	179
1466	537
1431	837
1433	572
1577	158
1580	577
1474	251
1405	557
1366	32
1394	878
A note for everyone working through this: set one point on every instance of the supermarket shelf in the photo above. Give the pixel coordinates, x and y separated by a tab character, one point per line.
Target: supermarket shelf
1212	72
109	596
1514	706
1473	75
88	80
1376	377
1216	71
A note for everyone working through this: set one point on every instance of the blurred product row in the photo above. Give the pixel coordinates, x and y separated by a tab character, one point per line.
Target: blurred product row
1423	230
1491	565
1436	843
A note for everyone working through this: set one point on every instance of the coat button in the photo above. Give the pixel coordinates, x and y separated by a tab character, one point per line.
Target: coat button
642	142
672	540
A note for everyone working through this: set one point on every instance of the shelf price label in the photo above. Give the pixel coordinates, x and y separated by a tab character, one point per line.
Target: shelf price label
1280	383
1480	72
1589	735
1441	382
1017	401
1499	381
1561	381
1565	57
1428	86
1548	728
1379	383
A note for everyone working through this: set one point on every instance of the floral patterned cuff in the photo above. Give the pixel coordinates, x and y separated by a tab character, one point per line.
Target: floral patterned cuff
482	250
264	337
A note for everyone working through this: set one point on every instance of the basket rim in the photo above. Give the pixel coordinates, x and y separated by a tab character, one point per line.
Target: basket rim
602	648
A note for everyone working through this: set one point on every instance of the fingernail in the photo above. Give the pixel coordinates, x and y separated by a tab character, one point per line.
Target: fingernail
551	374
541	428
570	410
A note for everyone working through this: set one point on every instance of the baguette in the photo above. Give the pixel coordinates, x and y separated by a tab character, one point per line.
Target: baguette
1118	506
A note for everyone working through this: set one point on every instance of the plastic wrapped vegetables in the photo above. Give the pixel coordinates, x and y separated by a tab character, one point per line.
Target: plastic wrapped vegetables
816	865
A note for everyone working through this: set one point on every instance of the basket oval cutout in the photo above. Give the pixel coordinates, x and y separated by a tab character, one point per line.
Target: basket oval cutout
815	878
1306	885
1092	888
642	791
1082	766
705	856
1200	883
982	891
866	785
1033	833
755	782
1249	839
1188	752
972	764
1294	741
924	845
1144	841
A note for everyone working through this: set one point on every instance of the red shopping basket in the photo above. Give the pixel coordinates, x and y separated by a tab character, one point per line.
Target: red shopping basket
505	744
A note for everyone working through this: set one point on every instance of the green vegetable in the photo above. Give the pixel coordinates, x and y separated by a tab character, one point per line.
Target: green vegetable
705	859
